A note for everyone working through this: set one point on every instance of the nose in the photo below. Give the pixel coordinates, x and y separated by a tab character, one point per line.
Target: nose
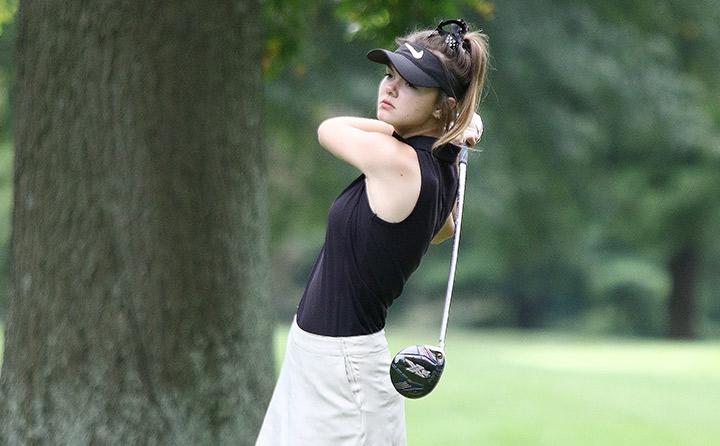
391	87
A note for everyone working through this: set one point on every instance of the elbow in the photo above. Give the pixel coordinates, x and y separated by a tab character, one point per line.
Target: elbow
321	130
324	132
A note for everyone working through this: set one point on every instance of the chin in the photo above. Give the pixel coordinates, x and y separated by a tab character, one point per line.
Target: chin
381	117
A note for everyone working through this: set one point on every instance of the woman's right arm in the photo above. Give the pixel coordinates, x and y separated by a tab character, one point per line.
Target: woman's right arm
364	143
365	124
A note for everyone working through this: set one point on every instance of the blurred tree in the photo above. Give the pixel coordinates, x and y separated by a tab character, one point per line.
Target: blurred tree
670	152
605	153
534	200
139	247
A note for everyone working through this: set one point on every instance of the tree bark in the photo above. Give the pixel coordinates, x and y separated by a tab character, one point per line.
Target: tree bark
683	268
139	246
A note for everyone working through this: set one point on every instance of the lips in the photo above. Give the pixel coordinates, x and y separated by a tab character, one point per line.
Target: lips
386	103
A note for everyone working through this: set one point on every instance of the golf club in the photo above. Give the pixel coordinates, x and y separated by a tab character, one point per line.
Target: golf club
416	370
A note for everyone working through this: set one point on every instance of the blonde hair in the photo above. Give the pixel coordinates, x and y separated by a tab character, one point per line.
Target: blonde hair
468	63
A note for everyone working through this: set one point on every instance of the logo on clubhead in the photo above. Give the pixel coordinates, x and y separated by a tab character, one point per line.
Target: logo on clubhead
417	369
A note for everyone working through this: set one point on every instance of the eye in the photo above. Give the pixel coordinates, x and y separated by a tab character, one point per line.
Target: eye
410	85
388	75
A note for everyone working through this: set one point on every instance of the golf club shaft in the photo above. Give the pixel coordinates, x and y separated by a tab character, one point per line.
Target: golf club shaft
462	170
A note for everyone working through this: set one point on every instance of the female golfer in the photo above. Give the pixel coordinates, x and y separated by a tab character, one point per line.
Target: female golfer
334	386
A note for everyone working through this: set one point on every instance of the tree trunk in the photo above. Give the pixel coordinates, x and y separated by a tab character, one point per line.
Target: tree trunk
683	268
139	247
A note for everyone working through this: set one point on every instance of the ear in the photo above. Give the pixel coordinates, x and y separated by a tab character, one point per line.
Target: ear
444	101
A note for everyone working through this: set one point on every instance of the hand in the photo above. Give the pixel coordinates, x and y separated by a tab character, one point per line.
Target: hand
472	133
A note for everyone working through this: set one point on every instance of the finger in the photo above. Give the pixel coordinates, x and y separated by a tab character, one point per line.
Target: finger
477	122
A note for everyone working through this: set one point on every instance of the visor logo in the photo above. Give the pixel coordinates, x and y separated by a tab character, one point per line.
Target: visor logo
415	53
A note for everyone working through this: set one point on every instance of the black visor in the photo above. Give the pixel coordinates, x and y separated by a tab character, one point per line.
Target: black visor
419	66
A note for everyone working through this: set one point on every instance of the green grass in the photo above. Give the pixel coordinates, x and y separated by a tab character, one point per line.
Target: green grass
540	389
527	389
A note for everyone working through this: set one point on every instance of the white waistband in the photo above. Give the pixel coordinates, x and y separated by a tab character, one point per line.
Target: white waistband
338	346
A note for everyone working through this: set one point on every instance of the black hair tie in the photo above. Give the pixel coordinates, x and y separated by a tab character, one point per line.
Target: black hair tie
454	32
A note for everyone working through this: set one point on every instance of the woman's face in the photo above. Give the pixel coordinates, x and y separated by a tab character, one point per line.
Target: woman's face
406	107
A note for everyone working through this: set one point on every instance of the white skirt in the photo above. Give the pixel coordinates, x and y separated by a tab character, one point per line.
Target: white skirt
335	392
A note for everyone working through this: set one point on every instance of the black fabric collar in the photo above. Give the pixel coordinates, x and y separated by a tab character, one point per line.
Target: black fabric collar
447	153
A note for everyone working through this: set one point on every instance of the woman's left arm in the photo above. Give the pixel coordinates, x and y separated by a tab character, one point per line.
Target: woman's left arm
470	137
447	230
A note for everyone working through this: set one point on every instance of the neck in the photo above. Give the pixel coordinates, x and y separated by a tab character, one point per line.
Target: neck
432	131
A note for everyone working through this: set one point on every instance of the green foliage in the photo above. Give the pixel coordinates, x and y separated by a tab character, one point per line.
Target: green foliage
382	20
7	40
292	24
7	72
601	144
630	297
285	31
7	12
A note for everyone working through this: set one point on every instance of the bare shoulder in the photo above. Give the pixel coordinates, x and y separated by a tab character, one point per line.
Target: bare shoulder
364	143
394	160
393	187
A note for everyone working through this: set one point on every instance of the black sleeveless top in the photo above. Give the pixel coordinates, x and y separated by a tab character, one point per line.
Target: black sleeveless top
366	261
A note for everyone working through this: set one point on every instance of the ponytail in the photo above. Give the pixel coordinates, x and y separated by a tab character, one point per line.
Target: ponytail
467	63
471	65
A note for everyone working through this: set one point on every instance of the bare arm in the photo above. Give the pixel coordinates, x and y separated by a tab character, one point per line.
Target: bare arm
364	143
391	167
365	124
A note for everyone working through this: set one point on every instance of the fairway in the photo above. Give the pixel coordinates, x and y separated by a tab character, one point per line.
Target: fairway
523	388
526	389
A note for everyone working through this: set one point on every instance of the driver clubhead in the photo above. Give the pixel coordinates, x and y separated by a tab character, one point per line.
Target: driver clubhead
416	370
